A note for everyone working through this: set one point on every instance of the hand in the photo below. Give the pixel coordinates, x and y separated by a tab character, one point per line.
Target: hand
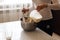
25	10
41	6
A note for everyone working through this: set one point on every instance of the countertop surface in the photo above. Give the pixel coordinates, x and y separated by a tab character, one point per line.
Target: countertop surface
34	35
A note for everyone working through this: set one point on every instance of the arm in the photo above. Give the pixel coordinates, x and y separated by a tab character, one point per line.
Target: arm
55	5
41	6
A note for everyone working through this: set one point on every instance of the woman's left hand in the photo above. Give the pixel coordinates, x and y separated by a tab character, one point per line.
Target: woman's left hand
41	6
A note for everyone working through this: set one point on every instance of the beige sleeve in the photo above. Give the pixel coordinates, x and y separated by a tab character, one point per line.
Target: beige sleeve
55	5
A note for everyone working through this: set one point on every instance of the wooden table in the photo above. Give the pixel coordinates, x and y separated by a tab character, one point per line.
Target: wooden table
34	35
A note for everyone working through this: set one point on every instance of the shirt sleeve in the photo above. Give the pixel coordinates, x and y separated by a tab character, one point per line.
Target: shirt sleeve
55	5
